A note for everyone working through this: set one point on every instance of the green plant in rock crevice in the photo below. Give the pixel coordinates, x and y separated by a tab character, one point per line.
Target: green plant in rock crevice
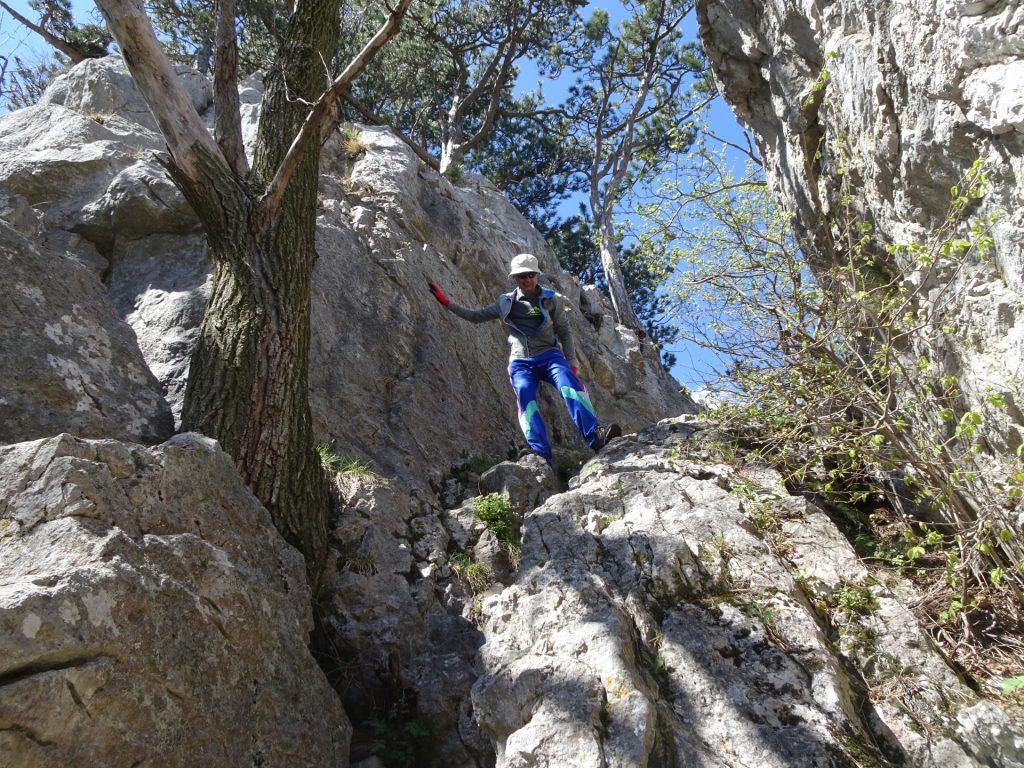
477	575
471	466
757	505
656	665
352	143
853	599
495	512
336	464
400	740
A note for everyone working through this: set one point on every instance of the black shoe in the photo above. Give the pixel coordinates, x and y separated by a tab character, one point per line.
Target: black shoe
606	435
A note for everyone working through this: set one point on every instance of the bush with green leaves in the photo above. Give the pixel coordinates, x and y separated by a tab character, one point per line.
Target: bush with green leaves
495	512
825	370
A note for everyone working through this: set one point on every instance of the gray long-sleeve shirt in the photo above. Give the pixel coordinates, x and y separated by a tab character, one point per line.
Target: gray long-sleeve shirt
532	330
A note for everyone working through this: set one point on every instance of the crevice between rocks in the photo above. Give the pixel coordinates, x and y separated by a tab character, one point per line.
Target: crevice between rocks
52	663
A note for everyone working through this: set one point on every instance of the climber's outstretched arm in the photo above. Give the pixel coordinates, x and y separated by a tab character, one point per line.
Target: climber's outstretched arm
482	315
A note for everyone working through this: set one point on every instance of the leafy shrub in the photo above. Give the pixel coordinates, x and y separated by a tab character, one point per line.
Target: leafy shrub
496	513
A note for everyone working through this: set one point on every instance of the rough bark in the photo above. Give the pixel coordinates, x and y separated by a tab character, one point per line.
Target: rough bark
249	377
323	116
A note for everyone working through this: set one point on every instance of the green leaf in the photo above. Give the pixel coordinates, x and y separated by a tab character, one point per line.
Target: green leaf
1012	684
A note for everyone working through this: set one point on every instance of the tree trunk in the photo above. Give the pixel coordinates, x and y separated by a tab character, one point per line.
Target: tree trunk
624	313
248	383
451	137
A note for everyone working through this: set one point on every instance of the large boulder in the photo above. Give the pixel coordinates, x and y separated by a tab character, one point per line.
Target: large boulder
67	361
150	613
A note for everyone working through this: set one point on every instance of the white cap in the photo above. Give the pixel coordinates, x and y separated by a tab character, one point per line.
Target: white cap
524	262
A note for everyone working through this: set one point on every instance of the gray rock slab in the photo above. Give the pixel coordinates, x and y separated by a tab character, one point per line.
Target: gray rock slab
151	613
652	622
67	361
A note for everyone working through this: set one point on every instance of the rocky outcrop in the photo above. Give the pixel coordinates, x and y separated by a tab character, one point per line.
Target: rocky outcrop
401	623
886	106
673	611
145	591
151	614
67	361
391	374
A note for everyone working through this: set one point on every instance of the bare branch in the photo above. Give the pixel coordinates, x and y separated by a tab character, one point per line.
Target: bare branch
495	103
748	150
59	43
182	128
323	117
376	119
228	127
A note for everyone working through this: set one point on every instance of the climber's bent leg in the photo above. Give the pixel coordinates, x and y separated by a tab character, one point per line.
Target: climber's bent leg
581	411
524	382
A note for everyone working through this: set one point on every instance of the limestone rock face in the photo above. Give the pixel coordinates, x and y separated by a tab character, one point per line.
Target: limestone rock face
658	620
390	227
915	93
67	361
151	614
400	625
392	374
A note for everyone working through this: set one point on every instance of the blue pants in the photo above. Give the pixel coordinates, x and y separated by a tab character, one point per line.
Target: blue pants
526	375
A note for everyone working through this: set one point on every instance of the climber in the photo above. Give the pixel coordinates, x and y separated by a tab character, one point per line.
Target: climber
536	323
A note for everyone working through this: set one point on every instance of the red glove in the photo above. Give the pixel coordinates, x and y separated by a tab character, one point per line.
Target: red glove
438	294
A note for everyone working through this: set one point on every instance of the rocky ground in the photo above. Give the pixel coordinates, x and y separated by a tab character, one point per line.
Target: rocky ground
665	608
